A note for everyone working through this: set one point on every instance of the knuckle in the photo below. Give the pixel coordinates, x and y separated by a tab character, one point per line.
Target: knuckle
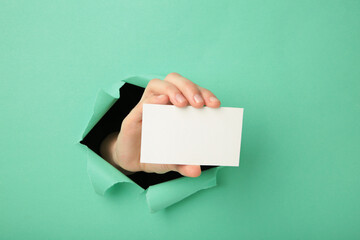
152	82
169	88
172	74
151	86
190	86
206	92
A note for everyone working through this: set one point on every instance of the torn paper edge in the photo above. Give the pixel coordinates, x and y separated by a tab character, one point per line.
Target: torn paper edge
104	176
156	194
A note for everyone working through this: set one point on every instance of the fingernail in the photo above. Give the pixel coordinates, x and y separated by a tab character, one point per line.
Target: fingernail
198	98
180	98
213	99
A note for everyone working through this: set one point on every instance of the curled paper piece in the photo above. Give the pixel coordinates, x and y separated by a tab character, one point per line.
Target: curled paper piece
103	175
165	194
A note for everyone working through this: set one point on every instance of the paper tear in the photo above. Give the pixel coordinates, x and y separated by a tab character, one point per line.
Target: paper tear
103	102
104	176
165	194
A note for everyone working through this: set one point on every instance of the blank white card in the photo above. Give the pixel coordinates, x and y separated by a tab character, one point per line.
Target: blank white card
206	136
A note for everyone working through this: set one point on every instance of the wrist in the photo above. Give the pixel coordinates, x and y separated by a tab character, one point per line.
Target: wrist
108	150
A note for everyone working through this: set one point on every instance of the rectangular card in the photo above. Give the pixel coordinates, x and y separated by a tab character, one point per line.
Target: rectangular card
191	136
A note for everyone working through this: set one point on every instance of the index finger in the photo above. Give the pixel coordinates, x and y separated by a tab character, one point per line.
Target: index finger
157	86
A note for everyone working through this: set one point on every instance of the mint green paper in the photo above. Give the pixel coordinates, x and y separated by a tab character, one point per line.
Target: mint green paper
103	103
293	65
166	194
103	175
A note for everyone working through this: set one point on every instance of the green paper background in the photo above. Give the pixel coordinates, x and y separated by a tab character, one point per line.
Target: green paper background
293	65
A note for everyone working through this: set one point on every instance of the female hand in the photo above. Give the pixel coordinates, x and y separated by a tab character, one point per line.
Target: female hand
123	149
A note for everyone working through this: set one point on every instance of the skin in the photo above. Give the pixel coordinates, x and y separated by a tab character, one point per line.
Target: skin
122	149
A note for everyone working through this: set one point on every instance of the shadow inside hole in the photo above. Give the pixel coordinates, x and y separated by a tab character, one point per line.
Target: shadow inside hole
130	95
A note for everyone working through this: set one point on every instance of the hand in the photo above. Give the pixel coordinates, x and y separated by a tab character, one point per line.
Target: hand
123	149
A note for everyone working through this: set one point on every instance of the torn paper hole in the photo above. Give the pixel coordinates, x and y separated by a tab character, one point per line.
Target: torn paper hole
103	175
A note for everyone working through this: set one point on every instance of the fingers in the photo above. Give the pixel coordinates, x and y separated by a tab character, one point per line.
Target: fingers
157	86
188	88
196	96
210	99
189	170
182	91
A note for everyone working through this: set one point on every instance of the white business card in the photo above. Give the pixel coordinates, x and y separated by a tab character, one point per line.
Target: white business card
191	136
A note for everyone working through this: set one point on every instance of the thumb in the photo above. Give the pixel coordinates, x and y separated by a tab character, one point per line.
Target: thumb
185	170
136	114
189	170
